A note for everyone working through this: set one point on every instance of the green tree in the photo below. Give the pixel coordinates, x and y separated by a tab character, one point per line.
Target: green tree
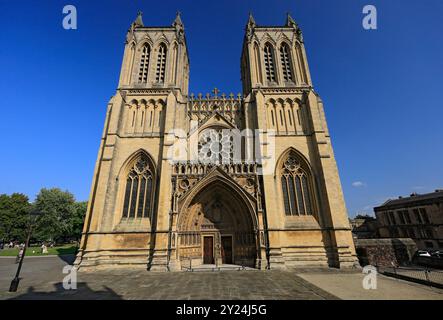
56	209
78	219
14	210
363	216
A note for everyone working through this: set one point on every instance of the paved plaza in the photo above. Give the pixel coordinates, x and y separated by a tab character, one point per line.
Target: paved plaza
42	278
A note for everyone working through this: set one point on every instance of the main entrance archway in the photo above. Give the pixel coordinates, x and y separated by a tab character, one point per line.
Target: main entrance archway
217	227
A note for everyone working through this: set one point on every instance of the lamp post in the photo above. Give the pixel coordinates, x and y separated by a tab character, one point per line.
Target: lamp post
32	219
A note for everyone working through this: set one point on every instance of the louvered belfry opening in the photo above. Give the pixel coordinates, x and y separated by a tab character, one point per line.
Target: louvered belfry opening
269	63
161	63
144	64
285	58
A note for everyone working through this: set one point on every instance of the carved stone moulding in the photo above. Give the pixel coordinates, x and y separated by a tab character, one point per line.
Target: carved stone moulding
148	91
285	90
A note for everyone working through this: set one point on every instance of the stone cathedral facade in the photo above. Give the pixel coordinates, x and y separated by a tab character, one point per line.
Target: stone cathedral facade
149	207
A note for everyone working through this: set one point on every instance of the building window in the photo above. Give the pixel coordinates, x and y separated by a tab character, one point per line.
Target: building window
402	218
384	218
139	190
285	57
296	188
407	216
401	232
394	233
424	215
216	146
144	64
161	63
429	234
269	62
417	216
429	244
391	217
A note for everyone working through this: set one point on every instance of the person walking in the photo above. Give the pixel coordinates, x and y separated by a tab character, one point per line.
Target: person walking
19	255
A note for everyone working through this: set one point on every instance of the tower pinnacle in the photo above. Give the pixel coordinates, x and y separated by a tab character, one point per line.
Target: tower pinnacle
290	22
178	20
251	21
139	21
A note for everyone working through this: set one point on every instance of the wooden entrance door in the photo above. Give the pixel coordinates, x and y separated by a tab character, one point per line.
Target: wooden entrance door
226	249
208	250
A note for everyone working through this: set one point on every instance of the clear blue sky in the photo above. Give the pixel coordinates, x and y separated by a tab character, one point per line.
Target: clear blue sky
382	89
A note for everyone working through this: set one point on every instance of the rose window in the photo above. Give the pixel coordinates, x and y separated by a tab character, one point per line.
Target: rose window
215	146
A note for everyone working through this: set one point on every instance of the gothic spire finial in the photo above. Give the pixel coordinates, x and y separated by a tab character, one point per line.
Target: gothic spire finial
290	22
250	27
139	21
178	20
179	28
251	21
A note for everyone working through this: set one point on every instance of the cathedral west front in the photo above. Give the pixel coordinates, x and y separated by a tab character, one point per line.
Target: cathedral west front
189	179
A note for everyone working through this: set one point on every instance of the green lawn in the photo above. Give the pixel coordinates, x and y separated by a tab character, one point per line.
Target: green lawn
36	251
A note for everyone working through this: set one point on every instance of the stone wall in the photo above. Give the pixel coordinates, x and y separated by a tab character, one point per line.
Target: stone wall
384	252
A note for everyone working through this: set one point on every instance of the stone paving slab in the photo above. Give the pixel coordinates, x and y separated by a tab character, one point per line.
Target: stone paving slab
138	284
348	286
42	279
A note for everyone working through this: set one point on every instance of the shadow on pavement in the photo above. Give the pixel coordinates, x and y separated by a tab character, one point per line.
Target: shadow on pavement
68	258
83	292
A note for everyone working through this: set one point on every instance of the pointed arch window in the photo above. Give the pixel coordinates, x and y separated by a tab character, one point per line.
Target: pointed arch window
144	63
139	190
296	187
161	63
269	62
285	58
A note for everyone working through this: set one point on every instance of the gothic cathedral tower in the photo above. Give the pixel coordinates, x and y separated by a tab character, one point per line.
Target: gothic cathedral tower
306	212
170	190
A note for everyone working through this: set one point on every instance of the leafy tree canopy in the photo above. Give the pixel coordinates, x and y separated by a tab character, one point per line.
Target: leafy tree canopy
56	209
14	210
59	216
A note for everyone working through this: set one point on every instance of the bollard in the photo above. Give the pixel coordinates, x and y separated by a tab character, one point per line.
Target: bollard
427	275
